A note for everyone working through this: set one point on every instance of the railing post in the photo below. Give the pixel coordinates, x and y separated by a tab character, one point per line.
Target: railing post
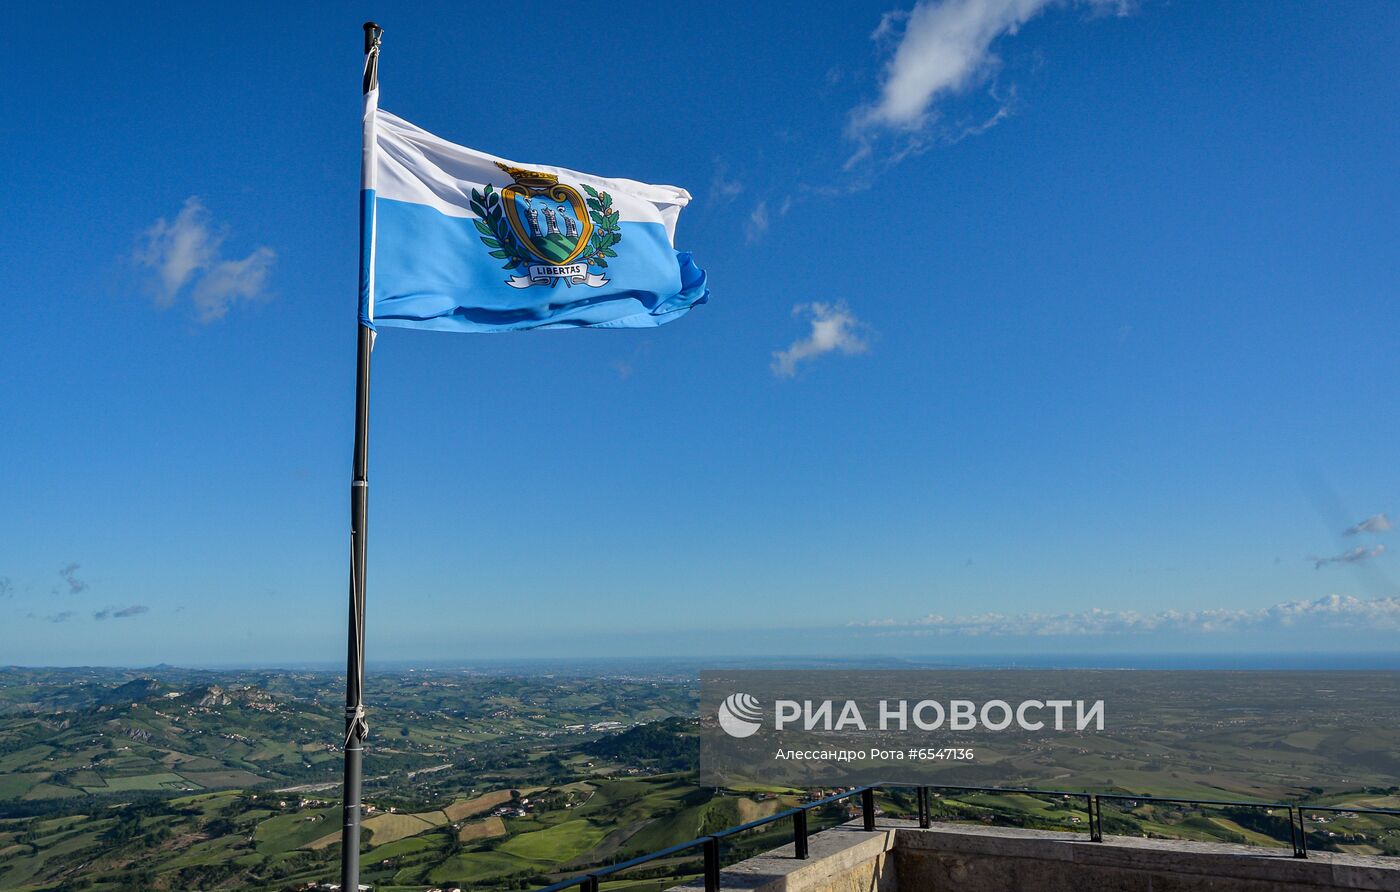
1300	836
589	884
711	850
925	812
799	834
867	807
1095	818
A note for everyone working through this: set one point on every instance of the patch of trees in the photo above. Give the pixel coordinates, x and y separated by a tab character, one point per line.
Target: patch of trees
667	744
1258	820
201	876
91	804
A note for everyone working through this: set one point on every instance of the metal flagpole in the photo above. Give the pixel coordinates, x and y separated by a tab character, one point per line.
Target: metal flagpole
355	727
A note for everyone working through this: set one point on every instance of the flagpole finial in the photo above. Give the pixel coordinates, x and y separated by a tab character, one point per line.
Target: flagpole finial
372	35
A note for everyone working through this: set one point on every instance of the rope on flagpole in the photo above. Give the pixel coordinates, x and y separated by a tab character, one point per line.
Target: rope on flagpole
371	80
356	723
359	727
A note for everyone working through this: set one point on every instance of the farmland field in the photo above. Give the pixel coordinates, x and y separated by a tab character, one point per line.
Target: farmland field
490	828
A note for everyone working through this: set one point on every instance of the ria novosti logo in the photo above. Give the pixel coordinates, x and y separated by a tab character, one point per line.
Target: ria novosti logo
740	715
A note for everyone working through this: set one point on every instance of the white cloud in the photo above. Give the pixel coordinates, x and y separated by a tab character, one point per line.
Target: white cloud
944	48
189	249
177	250
229	281
1354	556
1378	523
834	328
941	49
1338	612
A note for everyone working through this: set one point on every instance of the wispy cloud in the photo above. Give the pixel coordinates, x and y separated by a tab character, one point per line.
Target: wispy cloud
722	186
121	612
1338	612
833	328
7	588
69	574
188	251
938	50
62	616
1378	523
1354	556
758	222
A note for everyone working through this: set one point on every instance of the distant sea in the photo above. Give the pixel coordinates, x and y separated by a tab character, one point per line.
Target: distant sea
689	665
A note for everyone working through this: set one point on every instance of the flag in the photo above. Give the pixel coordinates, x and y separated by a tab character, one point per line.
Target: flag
459	240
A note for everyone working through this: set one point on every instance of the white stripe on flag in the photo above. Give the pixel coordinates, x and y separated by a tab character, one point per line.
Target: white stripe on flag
415	166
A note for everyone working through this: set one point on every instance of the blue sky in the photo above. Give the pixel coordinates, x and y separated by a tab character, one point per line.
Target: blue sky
1021	310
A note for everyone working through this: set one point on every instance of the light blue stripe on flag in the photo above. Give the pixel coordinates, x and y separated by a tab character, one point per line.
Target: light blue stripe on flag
432	271
366	256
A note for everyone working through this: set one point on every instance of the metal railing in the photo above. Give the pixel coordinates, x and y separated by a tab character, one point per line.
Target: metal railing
1297	833
710	845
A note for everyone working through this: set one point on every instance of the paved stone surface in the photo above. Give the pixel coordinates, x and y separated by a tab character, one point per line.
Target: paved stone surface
900	857
842	859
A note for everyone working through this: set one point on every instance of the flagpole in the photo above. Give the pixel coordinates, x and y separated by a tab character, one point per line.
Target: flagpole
355	727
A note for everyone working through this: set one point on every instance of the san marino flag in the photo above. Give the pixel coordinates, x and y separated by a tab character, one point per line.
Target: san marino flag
459	240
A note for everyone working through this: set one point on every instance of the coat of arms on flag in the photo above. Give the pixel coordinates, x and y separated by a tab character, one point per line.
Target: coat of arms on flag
548	229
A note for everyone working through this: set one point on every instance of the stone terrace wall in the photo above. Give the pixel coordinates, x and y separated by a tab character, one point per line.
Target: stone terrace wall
900	857
975	859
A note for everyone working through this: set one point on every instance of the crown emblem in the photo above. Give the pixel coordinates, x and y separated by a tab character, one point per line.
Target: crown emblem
533	180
